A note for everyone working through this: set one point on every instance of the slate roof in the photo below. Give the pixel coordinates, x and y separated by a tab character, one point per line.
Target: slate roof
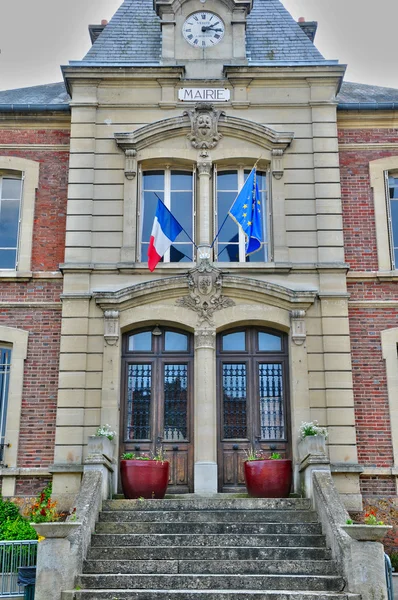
362	94
357	95
51	93
133	36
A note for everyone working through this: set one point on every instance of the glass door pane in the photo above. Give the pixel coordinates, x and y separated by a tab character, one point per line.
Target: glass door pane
234	385
272	420
175	389
139	400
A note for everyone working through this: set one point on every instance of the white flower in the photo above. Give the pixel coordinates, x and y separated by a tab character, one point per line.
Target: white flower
312	428
105	431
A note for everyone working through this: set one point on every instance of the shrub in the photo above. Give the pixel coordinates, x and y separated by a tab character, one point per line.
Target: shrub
19	529
8	510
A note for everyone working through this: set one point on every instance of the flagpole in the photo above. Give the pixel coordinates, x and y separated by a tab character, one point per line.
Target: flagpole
184	230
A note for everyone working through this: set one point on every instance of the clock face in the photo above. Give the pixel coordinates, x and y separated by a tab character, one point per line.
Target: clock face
203	29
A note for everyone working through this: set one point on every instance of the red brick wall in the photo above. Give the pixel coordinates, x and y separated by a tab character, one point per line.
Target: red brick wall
51	198
369	374
39	399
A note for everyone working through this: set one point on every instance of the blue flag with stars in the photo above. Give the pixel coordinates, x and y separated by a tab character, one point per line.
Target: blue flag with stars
246	212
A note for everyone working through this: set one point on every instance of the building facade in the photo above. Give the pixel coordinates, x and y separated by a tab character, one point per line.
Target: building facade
214	352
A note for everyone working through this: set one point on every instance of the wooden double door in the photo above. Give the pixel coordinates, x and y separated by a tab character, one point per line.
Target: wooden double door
252	400
253	410
157	404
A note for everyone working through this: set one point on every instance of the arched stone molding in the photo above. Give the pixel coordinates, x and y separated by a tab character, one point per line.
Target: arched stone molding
229	126
18	340
29	170
389	346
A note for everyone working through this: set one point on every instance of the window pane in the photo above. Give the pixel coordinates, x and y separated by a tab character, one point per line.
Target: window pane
271	402
227	180
149	208
175	402
175	342
153	180
8	259
234	341
139	395
181	253
234	400
181	207
9	217
269	343
181	180
141	342
259	256
228	252
11	189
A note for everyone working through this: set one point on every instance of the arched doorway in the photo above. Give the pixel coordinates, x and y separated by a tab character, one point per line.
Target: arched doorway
156	408
253	408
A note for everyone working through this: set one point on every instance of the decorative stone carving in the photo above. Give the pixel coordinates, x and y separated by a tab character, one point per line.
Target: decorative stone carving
204	125
204	163
130	170
277	164
205	338
111	327
205	297
299	333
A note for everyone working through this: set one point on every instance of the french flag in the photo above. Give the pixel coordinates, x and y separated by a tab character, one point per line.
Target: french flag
165	229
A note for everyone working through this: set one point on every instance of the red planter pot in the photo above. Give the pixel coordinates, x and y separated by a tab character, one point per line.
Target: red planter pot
144	478
268	478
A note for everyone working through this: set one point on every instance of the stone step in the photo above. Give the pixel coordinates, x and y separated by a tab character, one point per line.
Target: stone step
211	516
118	594
210	504
328	583
147	553
213	528
222	539
244	567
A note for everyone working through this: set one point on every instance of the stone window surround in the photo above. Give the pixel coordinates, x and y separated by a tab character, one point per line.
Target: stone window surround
377	169
18	340
29	170
389	346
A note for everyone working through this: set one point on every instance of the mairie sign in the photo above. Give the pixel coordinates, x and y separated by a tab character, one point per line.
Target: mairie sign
204	94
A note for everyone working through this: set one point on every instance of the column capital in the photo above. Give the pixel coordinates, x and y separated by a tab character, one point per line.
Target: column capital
205	338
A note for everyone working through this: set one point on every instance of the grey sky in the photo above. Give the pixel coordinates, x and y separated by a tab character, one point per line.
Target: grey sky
36	36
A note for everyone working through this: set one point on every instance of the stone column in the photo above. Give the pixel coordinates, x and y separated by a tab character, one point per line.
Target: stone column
205	412
204	198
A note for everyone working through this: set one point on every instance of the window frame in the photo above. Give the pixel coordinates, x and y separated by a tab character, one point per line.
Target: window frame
377	171
266	216
393	244
167	170
17	175
5	372
28	170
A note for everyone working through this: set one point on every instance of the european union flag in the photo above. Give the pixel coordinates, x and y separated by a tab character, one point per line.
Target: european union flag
246	212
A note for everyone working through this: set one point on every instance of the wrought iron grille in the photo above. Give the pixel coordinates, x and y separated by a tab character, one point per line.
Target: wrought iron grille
234	400
272	419
14	555
5	365
139	399
175	386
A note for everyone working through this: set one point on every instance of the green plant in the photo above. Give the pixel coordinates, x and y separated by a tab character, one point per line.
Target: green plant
349	522
394	560
43	509
371	519
8	510
159	456
275	456
105	431
312	428
19	529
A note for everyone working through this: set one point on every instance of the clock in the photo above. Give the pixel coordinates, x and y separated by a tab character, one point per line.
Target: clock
203	29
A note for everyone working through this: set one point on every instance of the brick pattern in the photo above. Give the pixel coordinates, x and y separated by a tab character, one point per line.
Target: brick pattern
372	417
39	290
29	487
34	136
50	206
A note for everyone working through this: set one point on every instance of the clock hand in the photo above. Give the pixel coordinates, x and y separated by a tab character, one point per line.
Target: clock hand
207	28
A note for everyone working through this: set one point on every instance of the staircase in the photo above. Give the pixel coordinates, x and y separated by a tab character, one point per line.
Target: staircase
209	549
